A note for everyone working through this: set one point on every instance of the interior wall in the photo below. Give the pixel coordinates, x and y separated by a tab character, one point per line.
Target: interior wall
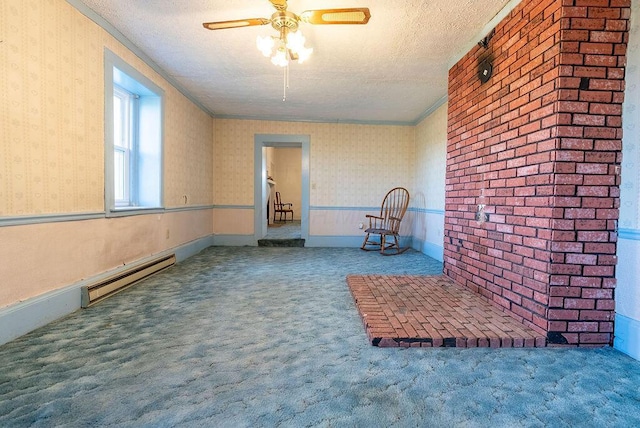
288	177
352	167
270	155
627	323
428	195
43	257
52	149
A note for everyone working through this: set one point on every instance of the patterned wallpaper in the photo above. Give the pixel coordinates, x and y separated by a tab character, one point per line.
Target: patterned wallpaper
188	153
51	111
350	165
356	165
431	151
630	187
51	115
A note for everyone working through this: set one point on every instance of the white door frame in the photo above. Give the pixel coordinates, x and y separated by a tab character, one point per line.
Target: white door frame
261	141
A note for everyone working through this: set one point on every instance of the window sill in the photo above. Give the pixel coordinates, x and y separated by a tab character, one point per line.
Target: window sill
129	211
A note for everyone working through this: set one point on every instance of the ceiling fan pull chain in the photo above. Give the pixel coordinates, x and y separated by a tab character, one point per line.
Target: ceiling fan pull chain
285	83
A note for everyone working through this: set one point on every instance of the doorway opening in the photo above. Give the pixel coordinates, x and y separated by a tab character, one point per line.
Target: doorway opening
281	165
284	177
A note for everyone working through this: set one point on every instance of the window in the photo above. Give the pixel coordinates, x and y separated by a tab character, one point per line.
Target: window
124	108
133	139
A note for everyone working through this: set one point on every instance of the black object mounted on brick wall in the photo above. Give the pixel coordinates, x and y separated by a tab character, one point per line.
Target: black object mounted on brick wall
485	62
485	70
485	42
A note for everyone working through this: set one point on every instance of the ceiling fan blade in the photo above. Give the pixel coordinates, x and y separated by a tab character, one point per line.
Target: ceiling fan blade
221	25
354	15
279	4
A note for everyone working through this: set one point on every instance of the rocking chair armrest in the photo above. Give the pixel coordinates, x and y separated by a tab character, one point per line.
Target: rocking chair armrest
395	218
375	221
290	205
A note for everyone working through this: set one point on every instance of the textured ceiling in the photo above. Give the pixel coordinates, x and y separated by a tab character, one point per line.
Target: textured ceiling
390	70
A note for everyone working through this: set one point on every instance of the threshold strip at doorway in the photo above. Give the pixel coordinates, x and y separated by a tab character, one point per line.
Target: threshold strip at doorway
433	311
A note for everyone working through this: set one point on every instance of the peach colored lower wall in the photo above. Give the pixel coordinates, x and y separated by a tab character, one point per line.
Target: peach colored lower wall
233	221
39	258
336	222
346	222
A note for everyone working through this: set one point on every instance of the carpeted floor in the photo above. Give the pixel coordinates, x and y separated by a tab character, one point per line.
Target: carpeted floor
252	337
284	230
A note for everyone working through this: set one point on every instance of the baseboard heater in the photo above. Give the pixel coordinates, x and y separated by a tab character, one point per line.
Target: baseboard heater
92	294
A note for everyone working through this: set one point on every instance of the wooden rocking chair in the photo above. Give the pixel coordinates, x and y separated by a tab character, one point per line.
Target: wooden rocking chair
280	207
393	207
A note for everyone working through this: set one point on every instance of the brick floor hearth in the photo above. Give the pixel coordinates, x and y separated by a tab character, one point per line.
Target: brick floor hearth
433	311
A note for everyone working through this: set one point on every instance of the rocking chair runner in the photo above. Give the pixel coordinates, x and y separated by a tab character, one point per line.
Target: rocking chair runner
392	211
280	207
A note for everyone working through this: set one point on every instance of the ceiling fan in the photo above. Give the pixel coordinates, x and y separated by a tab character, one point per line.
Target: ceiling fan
290	41
282	18
289	44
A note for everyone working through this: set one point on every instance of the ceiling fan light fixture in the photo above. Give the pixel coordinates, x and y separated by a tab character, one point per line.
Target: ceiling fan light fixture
265	45
295	41
304	54
290	47
281	57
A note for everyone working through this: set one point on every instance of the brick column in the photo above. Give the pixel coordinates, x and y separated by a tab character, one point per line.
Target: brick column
533	166
590	88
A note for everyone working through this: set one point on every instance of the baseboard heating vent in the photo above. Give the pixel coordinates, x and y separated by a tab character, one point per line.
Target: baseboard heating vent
94	293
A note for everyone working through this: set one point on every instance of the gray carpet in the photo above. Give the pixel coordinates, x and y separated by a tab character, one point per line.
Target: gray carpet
284	230
252	337
283	234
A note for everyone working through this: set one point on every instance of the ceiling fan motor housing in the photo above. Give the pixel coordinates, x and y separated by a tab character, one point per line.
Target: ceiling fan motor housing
285	19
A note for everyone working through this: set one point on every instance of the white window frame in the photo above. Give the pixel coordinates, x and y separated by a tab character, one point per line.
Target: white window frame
144	164
127	144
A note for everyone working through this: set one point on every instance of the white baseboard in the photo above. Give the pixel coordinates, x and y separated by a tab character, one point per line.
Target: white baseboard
333	241
192	248
19	319
344	241
627	336
235	241
432	250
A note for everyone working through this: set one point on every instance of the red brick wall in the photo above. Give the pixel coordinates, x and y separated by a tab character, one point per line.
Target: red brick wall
539	146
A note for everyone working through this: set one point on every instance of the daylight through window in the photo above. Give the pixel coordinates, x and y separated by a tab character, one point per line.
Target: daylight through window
133	157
